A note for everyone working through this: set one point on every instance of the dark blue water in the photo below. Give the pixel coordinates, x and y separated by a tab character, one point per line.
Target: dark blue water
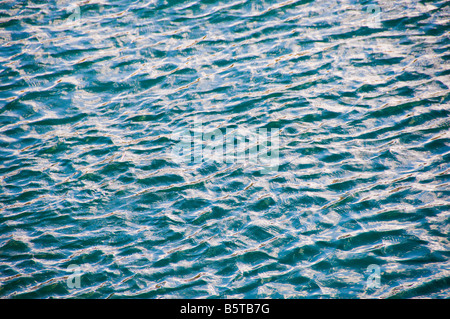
94	203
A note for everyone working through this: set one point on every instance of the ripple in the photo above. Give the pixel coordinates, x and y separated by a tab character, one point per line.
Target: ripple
89	108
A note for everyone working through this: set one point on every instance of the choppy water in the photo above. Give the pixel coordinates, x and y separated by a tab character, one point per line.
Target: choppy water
91	92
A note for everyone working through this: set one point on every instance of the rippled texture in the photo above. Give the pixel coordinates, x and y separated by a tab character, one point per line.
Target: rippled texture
91	92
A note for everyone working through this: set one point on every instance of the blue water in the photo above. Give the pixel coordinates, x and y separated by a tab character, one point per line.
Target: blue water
93	204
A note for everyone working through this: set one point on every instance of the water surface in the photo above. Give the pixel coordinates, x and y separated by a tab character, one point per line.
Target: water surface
91	92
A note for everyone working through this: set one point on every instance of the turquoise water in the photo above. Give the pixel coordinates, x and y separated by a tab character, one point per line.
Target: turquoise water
94	204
